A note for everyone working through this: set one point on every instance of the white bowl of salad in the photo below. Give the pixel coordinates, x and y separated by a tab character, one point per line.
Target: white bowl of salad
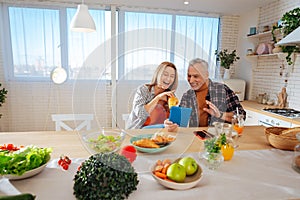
104	141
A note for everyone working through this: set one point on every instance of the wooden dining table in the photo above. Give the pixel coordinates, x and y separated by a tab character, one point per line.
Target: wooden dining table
256	171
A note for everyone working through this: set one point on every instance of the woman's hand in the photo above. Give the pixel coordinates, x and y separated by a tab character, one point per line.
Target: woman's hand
170	126
163	96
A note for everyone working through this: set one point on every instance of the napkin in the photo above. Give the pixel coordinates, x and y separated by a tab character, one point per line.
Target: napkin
6	188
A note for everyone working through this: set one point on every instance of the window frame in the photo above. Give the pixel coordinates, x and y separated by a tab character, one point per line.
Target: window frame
7	48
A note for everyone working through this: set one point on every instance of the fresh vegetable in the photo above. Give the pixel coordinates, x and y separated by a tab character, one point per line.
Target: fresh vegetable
25	196
129	152
22	160
64	162
105	176
105	143
161	167
9	147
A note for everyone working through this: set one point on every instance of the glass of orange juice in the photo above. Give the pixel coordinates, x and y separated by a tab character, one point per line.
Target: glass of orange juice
238	123
173	101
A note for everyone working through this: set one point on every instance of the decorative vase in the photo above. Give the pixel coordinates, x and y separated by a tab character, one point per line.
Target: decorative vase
226	74
212	160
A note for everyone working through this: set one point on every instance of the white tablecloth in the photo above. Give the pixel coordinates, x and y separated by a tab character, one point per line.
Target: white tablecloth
259	174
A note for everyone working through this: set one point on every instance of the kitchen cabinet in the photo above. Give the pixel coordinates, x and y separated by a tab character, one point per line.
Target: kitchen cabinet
252	118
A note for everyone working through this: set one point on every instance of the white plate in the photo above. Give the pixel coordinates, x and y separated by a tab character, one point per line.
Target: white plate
27	174
189	182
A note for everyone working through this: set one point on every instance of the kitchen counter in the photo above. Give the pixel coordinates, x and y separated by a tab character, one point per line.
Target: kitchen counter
257	107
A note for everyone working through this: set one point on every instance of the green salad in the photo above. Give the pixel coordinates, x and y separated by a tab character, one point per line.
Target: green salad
103	144
25	159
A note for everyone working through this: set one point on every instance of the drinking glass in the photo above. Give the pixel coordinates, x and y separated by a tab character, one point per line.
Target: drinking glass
238	123
172	101
221	127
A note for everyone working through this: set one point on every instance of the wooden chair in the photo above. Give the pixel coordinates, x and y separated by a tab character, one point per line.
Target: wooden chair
80	120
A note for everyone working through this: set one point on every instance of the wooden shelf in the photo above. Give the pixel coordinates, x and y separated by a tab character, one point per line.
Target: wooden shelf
253	58
259	35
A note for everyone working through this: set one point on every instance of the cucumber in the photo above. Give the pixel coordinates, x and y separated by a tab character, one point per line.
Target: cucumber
25	196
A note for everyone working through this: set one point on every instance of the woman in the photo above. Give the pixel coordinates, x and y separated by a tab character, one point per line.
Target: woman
150	104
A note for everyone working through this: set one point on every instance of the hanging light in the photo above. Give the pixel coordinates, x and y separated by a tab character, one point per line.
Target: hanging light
82	20
186	2
58	75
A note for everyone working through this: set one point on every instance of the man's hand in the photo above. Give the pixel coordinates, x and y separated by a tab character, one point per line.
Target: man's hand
212	110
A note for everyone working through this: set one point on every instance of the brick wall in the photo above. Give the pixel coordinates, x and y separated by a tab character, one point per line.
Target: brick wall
228	37
266	76
267	70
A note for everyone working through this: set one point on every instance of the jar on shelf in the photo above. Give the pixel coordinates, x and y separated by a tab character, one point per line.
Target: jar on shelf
249	52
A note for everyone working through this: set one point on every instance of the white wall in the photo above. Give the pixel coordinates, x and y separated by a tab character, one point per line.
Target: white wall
244	68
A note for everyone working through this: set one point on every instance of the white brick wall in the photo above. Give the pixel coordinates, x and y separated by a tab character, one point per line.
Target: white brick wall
228	36
266	77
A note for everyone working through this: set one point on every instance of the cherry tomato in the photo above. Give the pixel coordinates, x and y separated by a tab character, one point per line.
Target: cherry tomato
67	159
60	161
65	166
10	147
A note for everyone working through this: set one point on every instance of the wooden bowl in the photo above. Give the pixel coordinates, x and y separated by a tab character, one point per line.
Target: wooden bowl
282	138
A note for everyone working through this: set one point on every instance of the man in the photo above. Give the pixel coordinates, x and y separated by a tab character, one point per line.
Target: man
210	101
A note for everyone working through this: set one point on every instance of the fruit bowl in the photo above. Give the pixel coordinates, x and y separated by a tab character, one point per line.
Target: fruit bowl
189	182
104	141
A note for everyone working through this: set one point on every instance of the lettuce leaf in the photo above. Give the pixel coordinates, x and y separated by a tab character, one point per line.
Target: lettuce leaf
25	159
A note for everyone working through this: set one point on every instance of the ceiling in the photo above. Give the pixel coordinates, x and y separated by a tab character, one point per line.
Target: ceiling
223	7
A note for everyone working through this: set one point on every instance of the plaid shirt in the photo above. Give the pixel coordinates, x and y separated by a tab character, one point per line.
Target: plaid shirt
219	94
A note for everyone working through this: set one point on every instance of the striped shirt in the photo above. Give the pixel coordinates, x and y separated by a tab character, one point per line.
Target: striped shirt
139	115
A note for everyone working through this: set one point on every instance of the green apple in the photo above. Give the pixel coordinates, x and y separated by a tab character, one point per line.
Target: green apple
189	164
176	172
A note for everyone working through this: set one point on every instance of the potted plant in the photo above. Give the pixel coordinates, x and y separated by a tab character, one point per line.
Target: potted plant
290	21
3	93
212	155
226	60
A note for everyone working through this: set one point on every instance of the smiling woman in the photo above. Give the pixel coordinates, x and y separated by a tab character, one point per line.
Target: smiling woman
150	104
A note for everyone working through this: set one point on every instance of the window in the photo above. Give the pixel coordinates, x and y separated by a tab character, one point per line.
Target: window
35	38
150	39
82	45
38	40
41	40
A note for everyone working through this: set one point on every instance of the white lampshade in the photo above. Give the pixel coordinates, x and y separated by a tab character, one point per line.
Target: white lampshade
82	20
292	39
58	75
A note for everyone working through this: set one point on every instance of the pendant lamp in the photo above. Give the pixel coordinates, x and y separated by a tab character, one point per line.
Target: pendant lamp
82	20
58	75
